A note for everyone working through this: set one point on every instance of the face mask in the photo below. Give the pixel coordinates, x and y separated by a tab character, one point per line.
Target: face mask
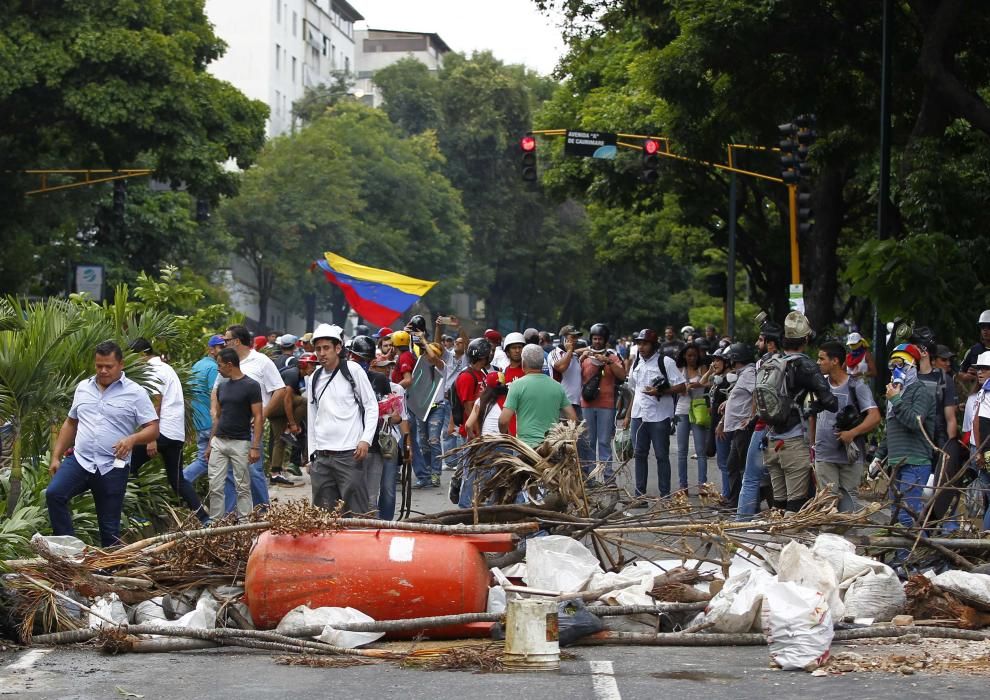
731	377
718	379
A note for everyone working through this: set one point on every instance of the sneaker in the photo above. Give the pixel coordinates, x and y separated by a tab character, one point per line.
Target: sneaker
422	484
279	480
435	481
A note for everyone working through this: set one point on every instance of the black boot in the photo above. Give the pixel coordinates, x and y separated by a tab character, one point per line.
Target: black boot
795	505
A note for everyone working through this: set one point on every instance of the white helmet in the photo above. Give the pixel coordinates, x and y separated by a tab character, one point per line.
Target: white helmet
687	329
513	339
984	317
325	330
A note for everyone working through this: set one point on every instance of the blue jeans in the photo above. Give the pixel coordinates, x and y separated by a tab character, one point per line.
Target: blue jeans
431	438
419	466
259	483
658	435
685	429
910	482
198	466
108	493
601	430
722	446
749	495
386	493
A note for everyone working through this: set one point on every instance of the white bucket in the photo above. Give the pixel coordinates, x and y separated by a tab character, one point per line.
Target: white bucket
531	635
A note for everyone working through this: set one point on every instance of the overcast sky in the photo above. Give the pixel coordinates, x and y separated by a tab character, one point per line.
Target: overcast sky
514	30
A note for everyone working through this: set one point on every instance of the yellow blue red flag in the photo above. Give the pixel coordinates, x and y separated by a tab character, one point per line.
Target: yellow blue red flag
378	296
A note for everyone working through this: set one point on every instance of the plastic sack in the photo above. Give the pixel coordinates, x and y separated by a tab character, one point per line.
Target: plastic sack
736	608
973	589
800	565
841	555
798	626
304	616
559	563
630	587
574	621
62	546
496	600
149	612
622	447
877	596
107	606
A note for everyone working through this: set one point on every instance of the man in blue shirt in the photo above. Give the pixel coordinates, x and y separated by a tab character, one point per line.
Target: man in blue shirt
202	378
106	411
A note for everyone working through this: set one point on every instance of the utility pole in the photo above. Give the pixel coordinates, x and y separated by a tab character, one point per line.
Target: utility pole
883	213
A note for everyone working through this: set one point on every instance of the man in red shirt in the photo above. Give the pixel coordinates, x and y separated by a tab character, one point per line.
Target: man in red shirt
469	385
599	408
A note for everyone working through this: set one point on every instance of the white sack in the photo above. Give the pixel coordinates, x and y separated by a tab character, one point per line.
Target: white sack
971	588
798	626
304	616
108	606
559	563
736	608
802	566
877	596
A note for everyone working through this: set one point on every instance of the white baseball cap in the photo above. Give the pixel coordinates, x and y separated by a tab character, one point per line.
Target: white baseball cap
853	339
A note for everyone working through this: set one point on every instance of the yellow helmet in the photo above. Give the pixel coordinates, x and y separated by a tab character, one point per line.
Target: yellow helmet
400	339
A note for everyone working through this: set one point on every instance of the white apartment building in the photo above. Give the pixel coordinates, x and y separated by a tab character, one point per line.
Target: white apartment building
377	48
278	48
275	50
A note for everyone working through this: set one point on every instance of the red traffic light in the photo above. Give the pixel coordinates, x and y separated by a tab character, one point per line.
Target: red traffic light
527	143
651	147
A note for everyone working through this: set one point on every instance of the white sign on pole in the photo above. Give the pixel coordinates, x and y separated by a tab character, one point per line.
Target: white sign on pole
796	298
89	279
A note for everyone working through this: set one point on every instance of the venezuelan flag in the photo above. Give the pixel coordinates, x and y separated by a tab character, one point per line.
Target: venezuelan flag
377	296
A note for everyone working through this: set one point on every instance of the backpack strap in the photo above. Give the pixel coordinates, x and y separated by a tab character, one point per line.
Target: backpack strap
344	370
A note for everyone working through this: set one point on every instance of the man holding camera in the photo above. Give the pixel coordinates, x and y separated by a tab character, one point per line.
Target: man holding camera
836	434
656	382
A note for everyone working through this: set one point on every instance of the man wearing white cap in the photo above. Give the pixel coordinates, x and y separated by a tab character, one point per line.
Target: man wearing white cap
342	418
788	457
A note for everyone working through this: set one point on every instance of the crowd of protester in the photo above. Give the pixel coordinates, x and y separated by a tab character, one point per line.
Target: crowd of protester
777	423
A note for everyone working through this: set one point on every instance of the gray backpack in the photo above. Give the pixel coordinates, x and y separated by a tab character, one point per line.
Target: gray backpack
774	404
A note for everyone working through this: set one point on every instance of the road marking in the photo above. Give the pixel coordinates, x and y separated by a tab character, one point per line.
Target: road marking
603	681
27	660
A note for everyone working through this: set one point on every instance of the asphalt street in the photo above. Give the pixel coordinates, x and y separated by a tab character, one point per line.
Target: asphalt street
600	673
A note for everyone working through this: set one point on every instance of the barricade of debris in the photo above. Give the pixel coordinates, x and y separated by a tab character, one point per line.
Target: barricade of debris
547	562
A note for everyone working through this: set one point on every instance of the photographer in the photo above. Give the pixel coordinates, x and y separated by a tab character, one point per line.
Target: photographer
657	383
836	434
601	370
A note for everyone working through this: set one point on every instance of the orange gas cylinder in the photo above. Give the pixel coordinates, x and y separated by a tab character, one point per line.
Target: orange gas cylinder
387	574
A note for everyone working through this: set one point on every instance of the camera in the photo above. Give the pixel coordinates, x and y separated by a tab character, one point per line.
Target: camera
847	418
660	384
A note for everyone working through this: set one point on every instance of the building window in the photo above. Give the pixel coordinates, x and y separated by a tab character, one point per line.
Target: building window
347	64
326	43
278	57
278	103
293	69
278	12
295	23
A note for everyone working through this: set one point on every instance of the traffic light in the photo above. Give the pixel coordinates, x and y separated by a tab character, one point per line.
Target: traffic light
805	137
527	144
789	159
651	161
202	210
119	198
806	216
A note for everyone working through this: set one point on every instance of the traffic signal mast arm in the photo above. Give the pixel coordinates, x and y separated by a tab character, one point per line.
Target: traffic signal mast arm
89	177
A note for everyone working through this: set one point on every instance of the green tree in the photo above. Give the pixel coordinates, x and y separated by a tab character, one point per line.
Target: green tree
709	72
348	182
109	85
526	248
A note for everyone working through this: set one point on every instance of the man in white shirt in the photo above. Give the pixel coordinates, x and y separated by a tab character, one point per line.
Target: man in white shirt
168	400
261	369
656	390
342	418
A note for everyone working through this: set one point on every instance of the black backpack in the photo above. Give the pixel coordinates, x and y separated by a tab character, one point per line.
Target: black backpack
344	370
456	407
